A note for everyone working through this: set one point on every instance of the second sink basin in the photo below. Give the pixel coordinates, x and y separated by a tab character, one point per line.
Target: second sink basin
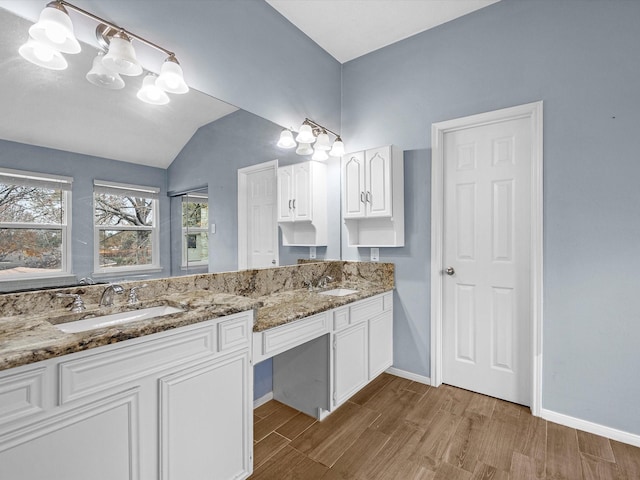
338	292
117	319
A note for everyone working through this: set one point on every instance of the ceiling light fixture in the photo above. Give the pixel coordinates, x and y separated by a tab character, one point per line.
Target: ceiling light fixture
312	132
52	36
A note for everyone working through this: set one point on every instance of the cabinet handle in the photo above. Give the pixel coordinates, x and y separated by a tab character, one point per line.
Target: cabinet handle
368	197
289	204
294	203
362	197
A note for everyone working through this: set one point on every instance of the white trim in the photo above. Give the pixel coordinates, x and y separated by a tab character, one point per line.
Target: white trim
262	400
595	428
534	112
408	375
242	212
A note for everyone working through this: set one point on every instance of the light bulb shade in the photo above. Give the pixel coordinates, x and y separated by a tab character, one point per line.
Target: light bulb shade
121	57
319	155
42	55
171	79
286	139
304	149
323	142
101	76
54	28
338	148
305	135
151	93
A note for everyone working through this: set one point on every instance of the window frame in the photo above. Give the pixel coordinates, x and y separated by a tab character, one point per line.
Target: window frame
185	263
117	188
37	179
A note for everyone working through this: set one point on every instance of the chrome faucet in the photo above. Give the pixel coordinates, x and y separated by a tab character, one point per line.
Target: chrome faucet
133	294
309	285
322	283
107	296
77	305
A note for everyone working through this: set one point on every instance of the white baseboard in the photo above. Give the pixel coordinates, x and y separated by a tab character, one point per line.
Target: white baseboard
408	375
595	428
262	400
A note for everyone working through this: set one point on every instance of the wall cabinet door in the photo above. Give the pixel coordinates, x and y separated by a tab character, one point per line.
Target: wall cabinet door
302	191
285	194
380	344
350	362
378	182
353	185
205	410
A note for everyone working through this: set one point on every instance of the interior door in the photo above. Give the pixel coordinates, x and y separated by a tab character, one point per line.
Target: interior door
487	242
262	229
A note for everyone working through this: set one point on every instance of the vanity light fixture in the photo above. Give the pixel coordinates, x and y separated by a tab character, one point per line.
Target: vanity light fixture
52	36
312	132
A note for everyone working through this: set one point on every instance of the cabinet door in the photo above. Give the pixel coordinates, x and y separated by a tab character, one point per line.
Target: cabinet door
350	362
378	182
303	191
206	422
285	194
380	344
353	189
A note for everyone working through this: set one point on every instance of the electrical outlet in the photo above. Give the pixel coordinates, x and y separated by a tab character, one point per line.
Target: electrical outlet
312	252
213	228
375	254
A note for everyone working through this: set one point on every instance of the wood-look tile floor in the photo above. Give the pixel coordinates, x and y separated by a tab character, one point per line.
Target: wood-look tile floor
398	429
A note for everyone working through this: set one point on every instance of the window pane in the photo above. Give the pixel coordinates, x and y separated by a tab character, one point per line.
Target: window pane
121	210
197	247
120	248
195	214
30	251
19	203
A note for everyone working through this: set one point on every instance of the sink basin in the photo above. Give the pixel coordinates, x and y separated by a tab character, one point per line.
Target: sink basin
338	292
117	319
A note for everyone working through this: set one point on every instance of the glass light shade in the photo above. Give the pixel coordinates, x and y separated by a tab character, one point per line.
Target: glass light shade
323	142
286	139
103	77
121	57
151	93
54	28
305	135
338	148
319	155
42	55
171	79
304	149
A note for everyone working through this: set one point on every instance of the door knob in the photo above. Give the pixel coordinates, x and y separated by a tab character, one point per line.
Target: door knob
450	271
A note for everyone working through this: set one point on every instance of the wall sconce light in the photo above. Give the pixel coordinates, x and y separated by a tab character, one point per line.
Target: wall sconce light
52	35
312	132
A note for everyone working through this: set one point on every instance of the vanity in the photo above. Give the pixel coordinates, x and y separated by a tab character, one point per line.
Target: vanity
172	397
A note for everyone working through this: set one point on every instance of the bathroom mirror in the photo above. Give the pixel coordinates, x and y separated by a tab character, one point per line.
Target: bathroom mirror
58	123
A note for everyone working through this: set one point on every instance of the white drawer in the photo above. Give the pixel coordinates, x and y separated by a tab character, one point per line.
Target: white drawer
366	309
234	333
295	333
92	373
21	394
340	318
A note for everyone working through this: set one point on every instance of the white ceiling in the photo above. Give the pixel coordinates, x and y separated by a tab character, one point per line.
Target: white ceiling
348	29
61	110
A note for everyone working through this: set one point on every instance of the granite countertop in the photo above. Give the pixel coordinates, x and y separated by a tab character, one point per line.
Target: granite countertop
27	338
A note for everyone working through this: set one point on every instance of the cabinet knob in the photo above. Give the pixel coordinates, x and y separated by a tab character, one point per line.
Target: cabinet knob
362	197
368	197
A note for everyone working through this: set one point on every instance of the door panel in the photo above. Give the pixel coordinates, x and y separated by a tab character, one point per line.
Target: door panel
353	185
378	182
262	227
486	338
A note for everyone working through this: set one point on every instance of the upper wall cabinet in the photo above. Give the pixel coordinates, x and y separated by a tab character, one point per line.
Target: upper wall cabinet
302	204
373	197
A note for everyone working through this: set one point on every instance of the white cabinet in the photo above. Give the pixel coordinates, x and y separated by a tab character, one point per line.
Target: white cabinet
350	362
302	203
172	405
380	346
373	197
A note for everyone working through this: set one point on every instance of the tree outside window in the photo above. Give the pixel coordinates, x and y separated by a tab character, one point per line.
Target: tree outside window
195	224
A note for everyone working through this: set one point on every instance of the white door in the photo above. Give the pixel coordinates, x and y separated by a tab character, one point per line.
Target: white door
353	189
285	194
378	182
257	216
486	255
350	362
302	178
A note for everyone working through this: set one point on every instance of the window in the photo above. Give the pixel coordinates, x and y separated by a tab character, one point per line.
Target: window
126	227
195	235
34	225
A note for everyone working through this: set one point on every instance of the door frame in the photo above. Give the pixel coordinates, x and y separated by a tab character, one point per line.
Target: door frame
532	111
243	218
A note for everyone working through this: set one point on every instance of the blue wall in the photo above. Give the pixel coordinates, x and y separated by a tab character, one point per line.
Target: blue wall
84	169
581	59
